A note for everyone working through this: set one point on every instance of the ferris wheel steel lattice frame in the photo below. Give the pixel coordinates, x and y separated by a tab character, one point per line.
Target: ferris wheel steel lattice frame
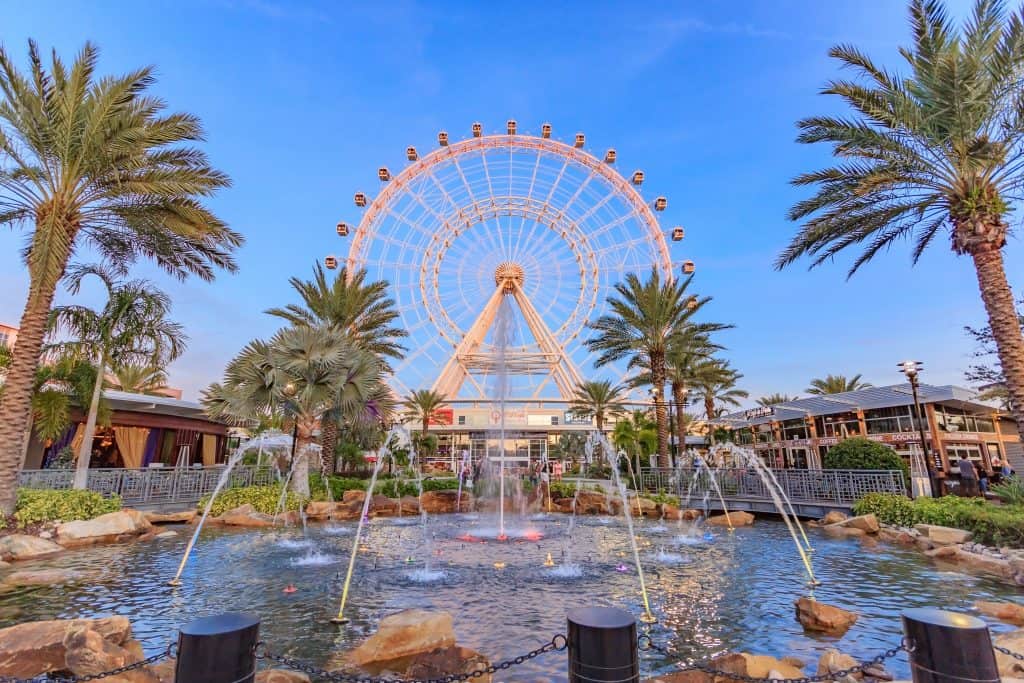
443	232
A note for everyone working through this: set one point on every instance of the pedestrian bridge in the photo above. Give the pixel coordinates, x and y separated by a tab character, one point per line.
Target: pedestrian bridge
812	493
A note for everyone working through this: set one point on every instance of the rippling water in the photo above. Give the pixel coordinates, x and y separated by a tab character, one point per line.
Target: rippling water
730	592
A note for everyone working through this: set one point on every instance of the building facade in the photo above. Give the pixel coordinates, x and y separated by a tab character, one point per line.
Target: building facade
798	434
8	335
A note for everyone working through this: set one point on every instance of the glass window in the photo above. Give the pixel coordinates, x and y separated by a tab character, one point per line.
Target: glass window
764	433
462	419
554	419
794	429
890	420
839	425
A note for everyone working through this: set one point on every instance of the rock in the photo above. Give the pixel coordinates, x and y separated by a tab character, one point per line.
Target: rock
866	523
643	506
985	563
245	515
319	509
384	506
793	661
737	517
40	577
763	666
24	547
183	517
692	676
691	514
442	662
410	505
107	528
281	676
878	672
592	503
38	647
1008	666
46	534
562	505
436	502
166	534
164	670
833	660
834	517
817	616
840	531
943	551
1009	612
409	632
353	495
87	653
943	535
896	536
670	513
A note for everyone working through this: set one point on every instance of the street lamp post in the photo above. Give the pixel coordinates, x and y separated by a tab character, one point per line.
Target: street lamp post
911	368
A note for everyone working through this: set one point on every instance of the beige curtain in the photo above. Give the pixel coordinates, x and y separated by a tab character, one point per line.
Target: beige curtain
76	440
209	451
131	441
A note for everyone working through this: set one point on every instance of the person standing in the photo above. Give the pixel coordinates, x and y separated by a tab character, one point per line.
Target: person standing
968	476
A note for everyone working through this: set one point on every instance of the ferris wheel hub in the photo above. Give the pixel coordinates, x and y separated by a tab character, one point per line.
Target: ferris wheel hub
509	275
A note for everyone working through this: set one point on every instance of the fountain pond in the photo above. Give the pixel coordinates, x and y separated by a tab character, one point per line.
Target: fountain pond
710	593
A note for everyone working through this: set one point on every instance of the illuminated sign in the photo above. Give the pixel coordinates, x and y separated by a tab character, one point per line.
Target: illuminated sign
763	411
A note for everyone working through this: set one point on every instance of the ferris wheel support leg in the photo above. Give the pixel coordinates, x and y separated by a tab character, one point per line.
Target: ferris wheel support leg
562	370
454	374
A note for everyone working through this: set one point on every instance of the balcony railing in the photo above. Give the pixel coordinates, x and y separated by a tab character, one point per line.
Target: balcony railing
150	486
838	487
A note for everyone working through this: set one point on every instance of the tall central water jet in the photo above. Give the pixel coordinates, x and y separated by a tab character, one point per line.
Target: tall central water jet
504	330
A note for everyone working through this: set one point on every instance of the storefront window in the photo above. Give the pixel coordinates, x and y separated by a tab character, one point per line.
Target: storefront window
794	429
890	420
957	420
745	436
764	433
839	425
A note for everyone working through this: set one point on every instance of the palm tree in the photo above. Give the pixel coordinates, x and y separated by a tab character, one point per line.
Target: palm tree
132	328
637	436
362	311
302	372
835	384
936	151
68	380
138	378
773	399
644	317
423	405
599	399
717	386
97	161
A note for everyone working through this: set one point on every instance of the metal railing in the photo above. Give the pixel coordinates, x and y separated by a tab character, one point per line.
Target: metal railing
838	487
150	486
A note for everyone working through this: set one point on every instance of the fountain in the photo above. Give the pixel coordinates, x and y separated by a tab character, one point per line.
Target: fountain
279	441
503	333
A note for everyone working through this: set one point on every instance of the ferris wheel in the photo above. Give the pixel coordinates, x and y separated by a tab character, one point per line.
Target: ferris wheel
510	226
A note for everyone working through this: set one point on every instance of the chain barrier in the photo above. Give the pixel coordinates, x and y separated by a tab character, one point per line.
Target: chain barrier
557	643
645	643
1016	655
165	654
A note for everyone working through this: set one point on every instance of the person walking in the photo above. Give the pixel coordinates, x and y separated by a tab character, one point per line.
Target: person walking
968	477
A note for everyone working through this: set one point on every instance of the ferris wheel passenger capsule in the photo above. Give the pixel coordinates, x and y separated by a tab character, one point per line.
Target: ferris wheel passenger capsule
442	139
660	203
638	178
609	156
691	303
384	174
580	140
331	262
511	126
545	130
410	153
360	199
688	267
342	229
478	130
677	233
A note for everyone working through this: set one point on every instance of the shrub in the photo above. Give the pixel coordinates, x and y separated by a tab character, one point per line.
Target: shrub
890	508
339	485
858	453
397	488
441	484
662	498
1010	490
47	505
562	489
263	499
995	525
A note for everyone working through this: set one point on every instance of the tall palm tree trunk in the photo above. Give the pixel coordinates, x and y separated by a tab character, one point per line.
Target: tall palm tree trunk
328	443
679	398
1002	317
300	465
660	411
16	402
599	423
85	450
709	407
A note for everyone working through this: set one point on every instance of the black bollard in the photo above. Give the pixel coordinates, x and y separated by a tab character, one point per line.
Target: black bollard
949	647
602	645
218	649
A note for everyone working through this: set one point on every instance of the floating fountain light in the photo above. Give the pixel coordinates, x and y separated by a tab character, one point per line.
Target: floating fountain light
549	562
622	568
499	565
290	588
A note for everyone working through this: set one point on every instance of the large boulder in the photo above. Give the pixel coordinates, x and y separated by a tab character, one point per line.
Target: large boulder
943	535
834	517
24	547
732	519
88	653
832	661
1009	612
692	514
867	523
245	515
840	531
353	496
320	509
643	506
436	502
670	513
442	662
410	505
113	526
817	616
1010	667
281	676
592	503
182	517
403	635
39	577
384	506
39	647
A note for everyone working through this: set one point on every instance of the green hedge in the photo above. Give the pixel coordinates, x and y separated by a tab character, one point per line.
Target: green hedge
859	453
263	499
994	525
47	505
389	487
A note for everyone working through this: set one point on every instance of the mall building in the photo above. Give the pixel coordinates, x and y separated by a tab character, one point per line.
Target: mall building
798	433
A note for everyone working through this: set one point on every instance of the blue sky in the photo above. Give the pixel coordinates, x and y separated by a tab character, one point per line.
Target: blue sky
303	101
